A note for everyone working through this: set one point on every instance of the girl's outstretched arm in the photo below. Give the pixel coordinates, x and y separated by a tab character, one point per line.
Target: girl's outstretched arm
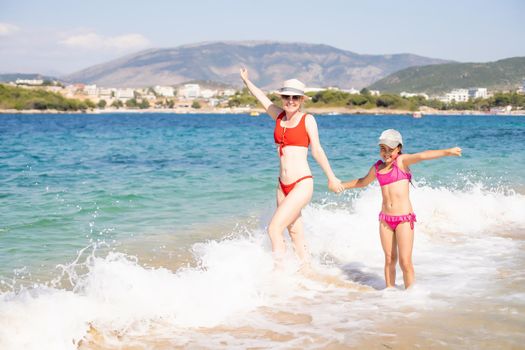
361	182
268	105
409	159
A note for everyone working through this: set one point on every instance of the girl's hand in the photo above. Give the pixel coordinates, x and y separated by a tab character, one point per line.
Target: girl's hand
454	151
335	185
244	74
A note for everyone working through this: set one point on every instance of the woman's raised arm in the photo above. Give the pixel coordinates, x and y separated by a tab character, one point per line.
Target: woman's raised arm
268	105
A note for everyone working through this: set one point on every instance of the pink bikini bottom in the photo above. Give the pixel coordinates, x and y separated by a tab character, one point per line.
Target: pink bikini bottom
394	220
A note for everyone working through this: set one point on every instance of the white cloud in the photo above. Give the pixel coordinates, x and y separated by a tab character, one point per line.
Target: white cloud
96	42
7	29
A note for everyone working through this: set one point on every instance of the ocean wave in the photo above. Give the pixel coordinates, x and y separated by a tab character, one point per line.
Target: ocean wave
233	295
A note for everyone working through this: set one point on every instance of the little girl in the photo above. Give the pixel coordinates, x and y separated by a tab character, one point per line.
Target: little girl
396	219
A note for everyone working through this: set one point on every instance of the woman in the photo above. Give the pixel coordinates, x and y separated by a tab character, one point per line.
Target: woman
294	132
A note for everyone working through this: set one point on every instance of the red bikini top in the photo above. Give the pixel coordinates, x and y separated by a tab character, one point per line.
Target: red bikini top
296	136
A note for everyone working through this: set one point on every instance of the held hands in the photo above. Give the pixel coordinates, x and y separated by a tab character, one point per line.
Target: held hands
454	151
335	185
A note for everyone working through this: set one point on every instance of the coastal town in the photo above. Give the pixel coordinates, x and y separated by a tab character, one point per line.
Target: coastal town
208	97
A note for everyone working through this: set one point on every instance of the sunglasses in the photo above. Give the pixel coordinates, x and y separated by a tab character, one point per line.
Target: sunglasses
287	97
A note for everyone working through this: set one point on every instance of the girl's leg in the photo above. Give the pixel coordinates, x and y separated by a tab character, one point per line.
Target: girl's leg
405	242
287	212
389	244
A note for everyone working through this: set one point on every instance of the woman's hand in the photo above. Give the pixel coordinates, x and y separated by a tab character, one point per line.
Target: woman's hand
335	185
454	151
244	74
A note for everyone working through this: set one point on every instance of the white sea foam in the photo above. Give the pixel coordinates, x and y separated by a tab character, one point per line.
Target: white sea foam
458	251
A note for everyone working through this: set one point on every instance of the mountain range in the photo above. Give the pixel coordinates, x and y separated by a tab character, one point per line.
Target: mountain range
269	64
506	74
14	76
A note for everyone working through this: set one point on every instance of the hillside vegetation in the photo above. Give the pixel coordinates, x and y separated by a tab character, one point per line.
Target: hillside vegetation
501	75
21	98
336	98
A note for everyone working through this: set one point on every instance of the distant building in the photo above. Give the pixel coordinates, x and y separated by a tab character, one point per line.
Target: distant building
352	91
164	91
313	89
213	102
190	91
457	95
374	92
106	93
149	97
521	89
227	92
124	94
29	81
208	93
477	93
91	90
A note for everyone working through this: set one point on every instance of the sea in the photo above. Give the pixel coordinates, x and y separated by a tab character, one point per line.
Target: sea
148	231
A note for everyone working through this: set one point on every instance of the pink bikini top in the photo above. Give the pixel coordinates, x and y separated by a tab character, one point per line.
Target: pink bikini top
395	174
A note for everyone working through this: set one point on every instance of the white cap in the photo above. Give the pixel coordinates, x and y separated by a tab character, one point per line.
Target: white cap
292	87
392	138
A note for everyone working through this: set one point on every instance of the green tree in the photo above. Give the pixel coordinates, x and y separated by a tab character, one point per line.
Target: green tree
357	100
102	104
196	105
131	103
144	104
502	100
242	98
364	91
331	98
117	104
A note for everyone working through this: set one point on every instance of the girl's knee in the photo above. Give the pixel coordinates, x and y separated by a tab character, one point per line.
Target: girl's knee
406	264
390	259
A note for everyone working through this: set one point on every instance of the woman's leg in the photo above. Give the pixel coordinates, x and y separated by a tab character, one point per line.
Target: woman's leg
296	231
389	244
287	212
405	242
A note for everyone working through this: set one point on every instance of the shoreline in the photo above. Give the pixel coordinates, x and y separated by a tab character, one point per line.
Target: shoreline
313	110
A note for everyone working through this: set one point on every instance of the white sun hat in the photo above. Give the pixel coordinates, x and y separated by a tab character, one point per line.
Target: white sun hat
292	87
391	137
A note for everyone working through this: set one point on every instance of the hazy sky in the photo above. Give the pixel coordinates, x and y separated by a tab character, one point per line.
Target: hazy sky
59	36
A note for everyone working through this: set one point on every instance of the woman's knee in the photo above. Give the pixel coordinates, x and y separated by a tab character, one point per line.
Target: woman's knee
275	229
296	233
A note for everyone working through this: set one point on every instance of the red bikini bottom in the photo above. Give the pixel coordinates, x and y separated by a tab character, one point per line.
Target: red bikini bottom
288	188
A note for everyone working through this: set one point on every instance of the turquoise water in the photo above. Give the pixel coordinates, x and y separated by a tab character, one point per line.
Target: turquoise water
68	180
148	231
